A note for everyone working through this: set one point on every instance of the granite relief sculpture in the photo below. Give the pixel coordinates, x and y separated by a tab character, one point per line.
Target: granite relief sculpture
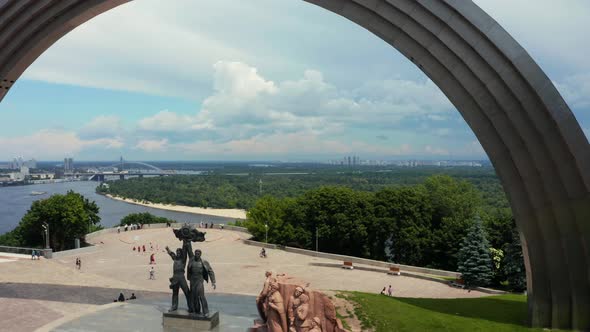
285	305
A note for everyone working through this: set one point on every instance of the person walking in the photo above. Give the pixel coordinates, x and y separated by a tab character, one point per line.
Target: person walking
152	274
32	254
118	229
152	258
389	291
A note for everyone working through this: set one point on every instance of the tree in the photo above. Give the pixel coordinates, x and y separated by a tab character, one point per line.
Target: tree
69	216
402	225
268	215
514	264
475	263
144	218
454	204
339	214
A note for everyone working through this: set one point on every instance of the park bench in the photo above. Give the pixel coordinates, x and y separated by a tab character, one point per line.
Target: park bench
347	265
394	271
459	283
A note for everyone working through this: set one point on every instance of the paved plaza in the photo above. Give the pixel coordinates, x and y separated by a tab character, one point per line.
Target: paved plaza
61	292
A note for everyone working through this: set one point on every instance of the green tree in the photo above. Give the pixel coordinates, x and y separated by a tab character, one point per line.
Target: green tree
268	214
69	216
454	203
340	216
498	224
497	256
514	264
475	263
144	218
402	227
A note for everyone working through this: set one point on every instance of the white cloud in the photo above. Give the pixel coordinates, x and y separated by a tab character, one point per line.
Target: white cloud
152	145
239	80
50	144
167	121
430	150
575	89
436	117
245	104
280	145
442	132
553	32
102	127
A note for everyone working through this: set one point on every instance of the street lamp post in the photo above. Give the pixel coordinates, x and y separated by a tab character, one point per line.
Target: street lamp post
46	229
266	235
316	239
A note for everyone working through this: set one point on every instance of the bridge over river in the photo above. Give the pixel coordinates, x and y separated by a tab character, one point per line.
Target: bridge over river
121	174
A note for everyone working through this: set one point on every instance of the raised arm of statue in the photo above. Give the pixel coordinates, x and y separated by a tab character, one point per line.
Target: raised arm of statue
173	255
189	249
184	254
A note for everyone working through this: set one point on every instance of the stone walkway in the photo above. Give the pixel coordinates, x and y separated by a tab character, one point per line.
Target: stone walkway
238	268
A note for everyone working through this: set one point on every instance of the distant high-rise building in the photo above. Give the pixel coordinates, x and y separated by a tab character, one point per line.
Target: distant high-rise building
31	163
17	162
68	164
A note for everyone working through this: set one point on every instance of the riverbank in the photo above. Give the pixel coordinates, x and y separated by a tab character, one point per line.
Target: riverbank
226	213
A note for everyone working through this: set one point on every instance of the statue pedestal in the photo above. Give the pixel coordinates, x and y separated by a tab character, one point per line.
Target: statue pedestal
181	320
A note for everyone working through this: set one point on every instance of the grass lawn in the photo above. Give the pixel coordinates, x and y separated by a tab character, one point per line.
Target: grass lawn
493	313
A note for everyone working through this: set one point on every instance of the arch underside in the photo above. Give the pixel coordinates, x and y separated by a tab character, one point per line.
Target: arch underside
529	133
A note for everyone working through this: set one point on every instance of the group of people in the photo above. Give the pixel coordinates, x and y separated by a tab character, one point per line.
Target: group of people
131	227
387	291
35	254
205	225
121	297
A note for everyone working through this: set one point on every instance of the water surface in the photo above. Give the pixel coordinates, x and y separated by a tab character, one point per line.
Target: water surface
15	201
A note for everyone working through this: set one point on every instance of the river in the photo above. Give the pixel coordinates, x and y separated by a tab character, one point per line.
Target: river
16	200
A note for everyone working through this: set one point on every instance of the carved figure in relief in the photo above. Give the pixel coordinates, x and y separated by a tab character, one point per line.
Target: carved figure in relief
298	311
276	319
316	325
261	298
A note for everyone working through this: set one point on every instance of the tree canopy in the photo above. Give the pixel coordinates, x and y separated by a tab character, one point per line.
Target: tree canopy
422	224
69	216
144	218
474	258
240	187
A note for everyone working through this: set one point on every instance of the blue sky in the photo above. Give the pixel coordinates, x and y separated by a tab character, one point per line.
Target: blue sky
260	80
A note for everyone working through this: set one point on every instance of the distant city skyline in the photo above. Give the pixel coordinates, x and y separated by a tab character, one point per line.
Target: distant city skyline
223	80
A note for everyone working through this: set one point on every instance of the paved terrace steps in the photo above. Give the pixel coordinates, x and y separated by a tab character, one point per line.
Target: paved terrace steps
113	266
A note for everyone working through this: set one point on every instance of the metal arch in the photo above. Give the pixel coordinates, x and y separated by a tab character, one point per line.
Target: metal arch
528	131
139	163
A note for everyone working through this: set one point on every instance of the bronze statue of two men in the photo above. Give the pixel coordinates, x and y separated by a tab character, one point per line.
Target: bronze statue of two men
198	271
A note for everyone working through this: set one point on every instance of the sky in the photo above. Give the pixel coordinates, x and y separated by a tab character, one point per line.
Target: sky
261	80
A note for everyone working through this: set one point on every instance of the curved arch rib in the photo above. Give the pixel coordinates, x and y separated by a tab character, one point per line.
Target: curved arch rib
531	136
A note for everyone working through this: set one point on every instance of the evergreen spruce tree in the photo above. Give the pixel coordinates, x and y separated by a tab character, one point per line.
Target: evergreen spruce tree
475	263
514	264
